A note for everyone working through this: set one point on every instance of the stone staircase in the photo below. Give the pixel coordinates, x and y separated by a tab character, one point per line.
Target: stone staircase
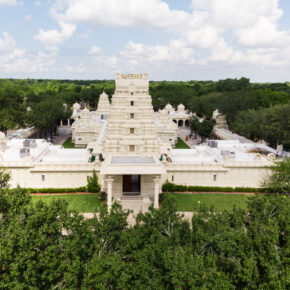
135	203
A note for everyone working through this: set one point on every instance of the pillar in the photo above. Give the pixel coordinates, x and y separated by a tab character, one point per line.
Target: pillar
183	123
109	182
156	192
68	122
61	123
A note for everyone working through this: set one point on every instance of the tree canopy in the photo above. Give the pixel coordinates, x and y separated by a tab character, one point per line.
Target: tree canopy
46	246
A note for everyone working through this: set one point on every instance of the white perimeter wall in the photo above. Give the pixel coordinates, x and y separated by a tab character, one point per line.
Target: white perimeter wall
76	175
233	176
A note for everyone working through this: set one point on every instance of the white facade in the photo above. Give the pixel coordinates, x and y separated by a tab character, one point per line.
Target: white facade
132	152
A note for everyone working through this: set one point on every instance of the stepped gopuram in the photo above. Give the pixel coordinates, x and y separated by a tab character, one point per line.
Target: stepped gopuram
131	148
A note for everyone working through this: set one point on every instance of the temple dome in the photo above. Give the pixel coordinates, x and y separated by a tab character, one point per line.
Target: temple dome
168	107
85	110
180	107
76	106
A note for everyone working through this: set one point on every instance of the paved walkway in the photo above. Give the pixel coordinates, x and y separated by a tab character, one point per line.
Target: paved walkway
64	132
182	132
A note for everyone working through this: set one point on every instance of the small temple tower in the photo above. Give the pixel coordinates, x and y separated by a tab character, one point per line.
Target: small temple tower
104	106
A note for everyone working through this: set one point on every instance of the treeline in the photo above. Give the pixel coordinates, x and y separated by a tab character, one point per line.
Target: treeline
45	246
257	111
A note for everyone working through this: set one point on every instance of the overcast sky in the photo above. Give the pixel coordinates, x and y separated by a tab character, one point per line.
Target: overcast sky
171	40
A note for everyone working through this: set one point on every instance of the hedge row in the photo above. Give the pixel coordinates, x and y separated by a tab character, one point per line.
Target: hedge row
56	190
171	187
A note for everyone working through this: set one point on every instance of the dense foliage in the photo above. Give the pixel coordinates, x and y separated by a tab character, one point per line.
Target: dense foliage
47	247
280	177
93	183
258	111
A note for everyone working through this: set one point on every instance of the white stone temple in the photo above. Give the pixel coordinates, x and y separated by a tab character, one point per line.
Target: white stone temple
131	148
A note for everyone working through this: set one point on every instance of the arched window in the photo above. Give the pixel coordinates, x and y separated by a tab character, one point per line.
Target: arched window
180	123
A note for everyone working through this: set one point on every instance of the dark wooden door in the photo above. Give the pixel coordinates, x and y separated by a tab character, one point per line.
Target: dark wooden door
127	183
131	184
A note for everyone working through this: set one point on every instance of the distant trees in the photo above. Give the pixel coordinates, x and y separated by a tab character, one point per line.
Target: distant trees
46	115
271	124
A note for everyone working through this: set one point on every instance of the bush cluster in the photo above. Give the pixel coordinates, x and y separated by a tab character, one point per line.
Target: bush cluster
93	184
102	196
55	190
171	187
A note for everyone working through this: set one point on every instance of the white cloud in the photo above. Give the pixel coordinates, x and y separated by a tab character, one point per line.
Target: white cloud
7	42
238	13
174	52
17	60
8	2
94	50
263	33
126	13
52	38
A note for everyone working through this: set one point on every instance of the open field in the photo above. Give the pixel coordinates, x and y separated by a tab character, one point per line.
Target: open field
78	202
189	202
181	144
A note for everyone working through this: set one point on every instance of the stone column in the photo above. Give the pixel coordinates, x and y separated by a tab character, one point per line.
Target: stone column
61	124
109	182
156	192
68	122
183	124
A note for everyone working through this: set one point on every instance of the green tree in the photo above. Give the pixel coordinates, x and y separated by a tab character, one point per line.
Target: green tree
46	115
4	178
93	184
204	128
280	177
194	126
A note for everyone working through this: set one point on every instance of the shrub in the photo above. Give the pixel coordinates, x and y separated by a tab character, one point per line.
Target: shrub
93	185
4	177
171	187
168	187
103	196
180	187
55	190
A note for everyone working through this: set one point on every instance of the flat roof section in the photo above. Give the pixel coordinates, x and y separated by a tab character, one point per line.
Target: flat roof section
132	160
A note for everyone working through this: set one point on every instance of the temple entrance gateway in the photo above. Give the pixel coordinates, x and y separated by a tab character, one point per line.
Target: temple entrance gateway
131	184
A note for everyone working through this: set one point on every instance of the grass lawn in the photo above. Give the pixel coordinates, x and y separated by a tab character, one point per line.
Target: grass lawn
80	203
69	144
181	144
189	202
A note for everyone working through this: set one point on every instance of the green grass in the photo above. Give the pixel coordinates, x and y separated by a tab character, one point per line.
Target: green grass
181	144
68	144
80	203
189	202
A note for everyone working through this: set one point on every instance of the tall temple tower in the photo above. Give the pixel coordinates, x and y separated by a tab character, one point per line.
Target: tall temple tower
131	127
